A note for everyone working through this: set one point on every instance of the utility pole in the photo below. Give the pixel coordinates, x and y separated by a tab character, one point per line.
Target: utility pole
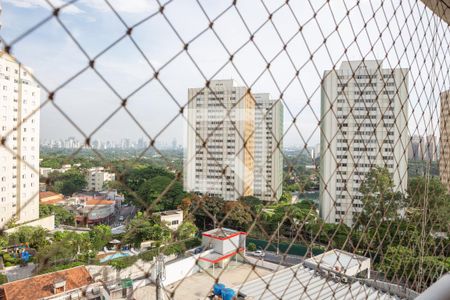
278	238
160	276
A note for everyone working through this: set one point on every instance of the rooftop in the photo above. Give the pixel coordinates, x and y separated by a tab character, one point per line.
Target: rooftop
170	212
41	286
95	202
221	233
199	285
300	282
50	197
337	260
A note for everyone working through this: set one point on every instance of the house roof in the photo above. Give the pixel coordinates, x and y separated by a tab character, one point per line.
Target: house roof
94	202
41	286
50	197
300	282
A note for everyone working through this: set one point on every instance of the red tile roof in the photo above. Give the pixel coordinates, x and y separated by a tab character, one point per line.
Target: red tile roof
50	197
41	286
99	202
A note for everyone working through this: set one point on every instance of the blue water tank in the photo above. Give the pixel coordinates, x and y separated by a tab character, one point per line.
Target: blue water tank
228	294
217	289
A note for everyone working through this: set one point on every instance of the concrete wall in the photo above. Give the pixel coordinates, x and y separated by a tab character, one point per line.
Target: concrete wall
46	222
108	273
180	269
230	245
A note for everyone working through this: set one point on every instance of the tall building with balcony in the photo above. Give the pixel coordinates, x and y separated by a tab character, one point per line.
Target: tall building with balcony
19	151
444	143
364	110
268	159
220	140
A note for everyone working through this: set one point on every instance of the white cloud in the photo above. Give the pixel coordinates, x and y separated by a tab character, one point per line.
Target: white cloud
121	6
71	9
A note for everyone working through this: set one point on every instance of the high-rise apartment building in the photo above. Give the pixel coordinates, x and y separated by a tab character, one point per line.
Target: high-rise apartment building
268	158
19	156
220	140
364	111
444	143
430	148
415	148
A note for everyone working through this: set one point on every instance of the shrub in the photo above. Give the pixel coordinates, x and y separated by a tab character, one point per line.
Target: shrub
251	247
9	260
61	267
3	279
192	243
123	262
149	255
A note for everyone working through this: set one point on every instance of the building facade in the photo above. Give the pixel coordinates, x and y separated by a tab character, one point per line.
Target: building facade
444	143
220	140
364	110
268	158
19	156
97	177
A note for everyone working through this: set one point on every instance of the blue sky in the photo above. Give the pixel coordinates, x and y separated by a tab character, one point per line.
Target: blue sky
88	101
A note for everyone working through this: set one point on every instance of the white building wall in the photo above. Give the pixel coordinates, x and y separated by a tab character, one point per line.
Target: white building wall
268	156
222	115
97	177
360	130
19	160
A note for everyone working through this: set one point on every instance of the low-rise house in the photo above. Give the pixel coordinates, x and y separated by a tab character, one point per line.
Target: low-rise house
44	172
95	211
74	283
172	218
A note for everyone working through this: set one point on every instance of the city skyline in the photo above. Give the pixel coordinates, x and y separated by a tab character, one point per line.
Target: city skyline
301	96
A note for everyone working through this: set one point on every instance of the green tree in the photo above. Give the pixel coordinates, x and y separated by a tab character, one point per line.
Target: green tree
154	188
62	215
207	210
99	236
68	182
141	229
380	202
251	247
253	203
237	215
428	195
36	237
186	230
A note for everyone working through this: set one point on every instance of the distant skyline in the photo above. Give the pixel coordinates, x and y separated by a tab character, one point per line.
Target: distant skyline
50	52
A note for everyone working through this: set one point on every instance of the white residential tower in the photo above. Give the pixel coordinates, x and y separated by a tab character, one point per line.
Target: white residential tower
220	140
19	151
364	111
268	145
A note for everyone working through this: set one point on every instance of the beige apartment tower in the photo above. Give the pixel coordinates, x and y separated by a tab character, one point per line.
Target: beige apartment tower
268	155
219	158
364	111
444	143
19	157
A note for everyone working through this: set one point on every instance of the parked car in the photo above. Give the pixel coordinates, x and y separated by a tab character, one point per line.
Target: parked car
259	253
